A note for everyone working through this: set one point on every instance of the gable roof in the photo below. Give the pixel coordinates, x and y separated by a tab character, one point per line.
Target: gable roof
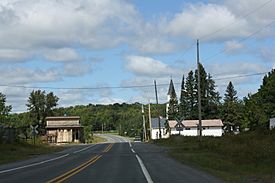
155	122
171	89
195	123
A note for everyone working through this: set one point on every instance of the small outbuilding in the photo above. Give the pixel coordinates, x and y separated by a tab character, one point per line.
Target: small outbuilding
155	128
64	129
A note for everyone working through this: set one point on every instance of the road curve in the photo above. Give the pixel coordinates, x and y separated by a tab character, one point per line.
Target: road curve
120	161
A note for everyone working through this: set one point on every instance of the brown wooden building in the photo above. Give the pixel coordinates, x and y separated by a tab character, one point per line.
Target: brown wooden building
64	129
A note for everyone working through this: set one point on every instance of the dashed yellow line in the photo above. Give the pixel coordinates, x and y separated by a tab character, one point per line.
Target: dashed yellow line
79	168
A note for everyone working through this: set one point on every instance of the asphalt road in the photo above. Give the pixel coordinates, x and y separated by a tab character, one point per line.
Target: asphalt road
114	161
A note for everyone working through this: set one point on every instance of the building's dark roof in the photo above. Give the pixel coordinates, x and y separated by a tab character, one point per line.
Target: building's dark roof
171	88
155	122
62	117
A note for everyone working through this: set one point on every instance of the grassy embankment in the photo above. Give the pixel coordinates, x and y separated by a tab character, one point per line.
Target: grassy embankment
247	157
23	150
97	139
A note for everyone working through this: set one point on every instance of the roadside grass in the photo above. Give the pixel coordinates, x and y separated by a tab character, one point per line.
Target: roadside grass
97	139
247	157
23	150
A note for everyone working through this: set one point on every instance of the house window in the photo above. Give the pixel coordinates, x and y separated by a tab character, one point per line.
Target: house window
187	128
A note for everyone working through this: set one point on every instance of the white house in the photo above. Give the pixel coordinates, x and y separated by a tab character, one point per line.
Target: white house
211	127
154	131
272	123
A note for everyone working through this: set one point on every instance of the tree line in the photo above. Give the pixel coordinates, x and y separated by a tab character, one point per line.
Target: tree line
253	111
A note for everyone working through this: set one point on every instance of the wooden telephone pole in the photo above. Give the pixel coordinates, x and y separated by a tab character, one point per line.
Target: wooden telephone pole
157	108
199	91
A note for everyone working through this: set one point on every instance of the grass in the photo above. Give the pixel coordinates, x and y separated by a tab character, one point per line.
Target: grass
23	150
97	139
247	157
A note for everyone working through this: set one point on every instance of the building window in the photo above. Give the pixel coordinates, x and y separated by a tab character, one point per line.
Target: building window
187	128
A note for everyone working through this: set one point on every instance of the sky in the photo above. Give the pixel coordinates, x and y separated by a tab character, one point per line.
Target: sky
88	51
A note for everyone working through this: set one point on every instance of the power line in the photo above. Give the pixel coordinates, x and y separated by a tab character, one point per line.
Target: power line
122	87
242	16
226	26
241	40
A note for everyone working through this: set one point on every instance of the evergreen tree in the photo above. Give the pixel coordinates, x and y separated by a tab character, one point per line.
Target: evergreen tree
260	107
212	99
4	109
190	96
173	104
183	107
231	109
231	93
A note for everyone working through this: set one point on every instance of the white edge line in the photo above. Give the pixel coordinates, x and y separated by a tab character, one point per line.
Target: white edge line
144	170
83	149
34	164
133	150
130	144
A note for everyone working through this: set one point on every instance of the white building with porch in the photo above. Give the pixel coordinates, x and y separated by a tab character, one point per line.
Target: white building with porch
64	129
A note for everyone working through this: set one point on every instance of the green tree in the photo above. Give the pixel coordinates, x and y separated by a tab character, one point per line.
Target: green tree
4	109
190	96
183	107
173	104
40	106
212	99
260	107
88	135
203	88
231	109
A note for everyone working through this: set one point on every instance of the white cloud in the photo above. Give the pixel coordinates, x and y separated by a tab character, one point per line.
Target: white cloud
146	66
62	55
96	24
202	19
233	46
77	69
13	55
23	75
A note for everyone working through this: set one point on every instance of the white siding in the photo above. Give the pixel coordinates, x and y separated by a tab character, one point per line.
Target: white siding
213	131
155	133
208	131
272	123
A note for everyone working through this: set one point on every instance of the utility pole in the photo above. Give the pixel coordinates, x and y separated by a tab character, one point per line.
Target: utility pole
102	128
144	126
199	91
150	120
157	108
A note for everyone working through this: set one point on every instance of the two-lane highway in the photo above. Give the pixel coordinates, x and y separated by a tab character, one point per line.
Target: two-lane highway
119	161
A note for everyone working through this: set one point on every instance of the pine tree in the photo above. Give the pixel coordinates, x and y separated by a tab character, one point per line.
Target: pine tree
173	104
231	108
190	96
203	87
231	93
212	99
183	107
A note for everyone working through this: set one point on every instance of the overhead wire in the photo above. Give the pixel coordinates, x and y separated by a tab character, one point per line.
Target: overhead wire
121	87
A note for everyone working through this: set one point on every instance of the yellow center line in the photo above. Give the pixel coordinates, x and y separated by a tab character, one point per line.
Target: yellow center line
79	168
77	171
